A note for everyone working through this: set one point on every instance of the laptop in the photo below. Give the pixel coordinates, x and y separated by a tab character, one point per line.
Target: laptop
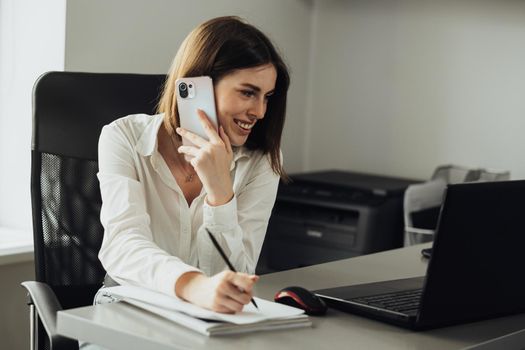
475	271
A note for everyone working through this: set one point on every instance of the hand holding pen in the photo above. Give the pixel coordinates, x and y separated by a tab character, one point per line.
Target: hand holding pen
225	258
226	291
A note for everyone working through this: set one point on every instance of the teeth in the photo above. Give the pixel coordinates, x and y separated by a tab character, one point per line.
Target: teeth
244	125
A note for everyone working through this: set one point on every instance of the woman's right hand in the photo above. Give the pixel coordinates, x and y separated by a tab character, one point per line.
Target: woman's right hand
225	292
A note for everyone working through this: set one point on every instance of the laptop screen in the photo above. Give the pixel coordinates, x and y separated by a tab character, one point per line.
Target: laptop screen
476	269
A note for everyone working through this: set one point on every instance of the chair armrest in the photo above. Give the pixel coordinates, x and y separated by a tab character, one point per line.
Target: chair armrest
47	306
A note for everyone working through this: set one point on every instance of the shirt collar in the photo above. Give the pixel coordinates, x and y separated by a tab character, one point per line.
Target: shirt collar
238	153
148	140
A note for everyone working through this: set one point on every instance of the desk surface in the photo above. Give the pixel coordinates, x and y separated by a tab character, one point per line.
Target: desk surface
120	326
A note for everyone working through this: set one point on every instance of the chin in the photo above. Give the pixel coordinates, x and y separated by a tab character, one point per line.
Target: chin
237	143
237	140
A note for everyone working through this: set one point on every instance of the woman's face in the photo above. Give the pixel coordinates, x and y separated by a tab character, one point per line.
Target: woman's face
241	98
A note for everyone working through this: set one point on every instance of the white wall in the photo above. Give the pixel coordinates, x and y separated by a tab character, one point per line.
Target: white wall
403	85
143	36
31	42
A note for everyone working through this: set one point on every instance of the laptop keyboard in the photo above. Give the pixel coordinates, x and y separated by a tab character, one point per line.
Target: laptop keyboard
405	302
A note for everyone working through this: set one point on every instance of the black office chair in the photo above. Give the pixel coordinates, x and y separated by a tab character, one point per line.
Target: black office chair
69	110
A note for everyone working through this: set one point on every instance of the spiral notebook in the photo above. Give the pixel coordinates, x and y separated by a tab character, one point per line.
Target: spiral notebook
269	316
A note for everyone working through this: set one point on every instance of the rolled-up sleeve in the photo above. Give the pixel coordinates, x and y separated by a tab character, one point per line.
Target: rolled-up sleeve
240	225
128	252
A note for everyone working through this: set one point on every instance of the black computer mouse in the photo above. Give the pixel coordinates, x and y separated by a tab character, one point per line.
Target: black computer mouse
301	298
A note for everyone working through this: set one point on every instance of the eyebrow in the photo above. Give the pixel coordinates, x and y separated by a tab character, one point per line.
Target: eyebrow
256	88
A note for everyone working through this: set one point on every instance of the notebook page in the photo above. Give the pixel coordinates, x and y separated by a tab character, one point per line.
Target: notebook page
267	309
222	328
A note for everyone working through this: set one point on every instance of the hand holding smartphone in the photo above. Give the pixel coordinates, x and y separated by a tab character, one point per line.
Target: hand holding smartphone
195	93
212	163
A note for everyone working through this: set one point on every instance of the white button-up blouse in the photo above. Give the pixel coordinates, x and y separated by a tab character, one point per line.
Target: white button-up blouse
151	235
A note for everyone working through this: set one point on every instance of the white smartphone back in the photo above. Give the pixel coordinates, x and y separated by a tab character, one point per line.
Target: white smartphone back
195	93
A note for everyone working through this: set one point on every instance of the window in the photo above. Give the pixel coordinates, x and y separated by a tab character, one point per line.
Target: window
32	41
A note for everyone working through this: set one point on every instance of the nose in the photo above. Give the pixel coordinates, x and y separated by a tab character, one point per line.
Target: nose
258	108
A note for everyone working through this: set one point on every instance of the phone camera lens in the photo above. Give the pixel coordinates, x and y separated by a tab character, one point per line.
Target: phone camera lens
183	90
190	86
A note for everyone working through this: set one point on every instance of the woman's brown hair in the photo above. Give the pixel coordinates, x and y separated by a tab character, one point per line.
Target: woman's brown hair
216	48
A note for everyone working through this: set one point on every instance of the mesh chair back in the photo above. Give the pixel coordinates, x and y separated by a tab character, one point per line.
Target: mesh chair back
69	111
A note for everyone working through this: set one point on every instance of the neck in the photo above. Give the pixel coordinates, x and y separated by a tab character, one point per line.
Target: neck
170	144
179	157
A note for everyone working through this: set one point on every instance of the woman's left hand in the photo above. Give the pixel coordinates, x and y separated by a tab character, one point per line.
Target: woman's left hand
211	160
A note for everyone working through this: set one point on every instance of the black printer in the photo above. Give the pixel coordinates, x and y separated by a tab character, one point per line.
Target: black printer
331	215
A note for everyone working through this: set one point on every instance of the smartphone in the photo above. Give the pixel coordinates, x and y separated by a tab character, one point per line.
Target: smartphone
195	93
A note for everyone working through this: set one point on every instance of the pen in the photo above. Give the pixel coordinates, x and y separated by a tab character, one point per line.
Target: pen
216	244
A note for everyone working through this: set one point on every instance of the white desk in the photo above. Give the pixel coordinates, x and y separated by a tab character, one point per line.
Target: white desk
120	326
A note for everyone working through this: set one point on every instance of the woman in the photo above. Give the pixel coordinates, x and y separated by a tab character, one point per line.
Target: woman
159	196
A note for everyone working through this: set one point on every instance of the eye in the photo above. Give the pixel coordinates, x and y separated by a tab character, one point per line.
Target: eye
248	93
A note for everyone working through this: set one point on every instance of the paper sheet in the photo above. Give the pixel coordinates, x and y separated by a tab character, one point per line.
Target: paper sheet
267	309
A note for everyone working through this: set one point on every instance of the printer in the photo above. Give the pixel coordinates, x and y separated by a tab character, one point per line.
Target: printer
330	215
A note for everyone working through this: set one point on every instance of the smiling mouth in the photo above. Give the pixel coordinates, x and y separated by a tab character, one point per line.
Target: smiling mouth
244	125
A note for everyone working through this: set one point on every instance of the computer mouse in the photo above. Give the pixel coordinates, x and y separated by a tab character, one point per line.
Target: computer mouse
301	298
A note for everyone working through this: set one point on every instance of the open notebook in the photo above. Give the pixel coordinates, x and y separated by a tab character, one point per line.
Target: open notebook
269	316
